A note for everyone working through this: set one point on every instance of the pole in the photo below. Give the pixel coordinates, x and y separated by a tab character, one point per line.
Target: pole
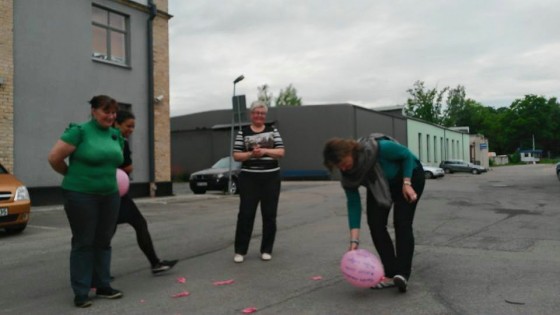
239	78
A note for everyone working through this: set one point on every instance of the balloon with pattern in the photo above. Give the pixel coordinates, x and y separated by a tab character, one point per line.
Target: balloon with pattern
361	268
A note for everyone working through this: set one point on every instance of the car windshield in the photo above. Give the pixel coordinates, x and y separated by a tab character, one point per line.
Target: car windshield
223	163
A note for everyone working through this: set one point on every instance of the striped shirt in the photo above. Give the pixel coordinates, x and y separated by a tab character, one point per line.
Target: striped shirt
247	139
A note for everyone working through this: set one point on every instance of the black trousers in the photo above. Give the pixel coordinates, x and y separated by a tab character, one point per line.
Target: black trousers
129	213
255	188
397	260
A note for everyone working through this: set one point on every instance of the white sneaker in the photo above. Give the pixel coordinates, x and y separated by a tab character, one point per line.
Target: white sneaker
266	256
238	258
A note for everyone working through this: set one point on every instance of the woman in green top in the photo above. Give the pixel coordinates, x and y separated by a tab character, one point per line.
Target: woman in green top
91	199
393	176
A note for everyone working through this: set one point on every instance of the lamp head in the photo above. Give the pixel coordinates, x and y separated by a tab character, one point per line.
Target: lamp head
239	78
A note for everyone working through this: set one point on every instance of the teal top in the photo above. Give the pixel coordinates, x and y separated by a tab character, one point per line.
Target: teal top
396	161
93	165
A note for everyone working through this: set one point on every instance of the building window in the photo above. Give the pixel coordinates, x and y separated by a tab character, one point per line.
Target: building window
435	149
110	32
420	146
428	148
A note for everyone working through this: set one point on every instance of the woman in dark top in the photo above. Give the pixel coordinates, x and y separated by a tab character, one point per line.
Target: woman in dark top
129	212
393	176
258	147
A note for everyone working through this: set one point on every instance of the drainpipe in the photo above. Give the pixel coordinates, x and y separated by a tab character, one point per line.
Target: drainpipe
151	135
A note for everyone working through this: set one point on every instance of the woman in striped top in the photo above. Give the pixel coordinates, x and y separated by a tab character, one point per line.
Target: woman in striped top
258	146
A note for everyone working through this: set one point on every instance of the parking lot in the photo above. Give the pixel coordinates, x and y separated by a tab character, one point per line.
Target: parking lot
486	244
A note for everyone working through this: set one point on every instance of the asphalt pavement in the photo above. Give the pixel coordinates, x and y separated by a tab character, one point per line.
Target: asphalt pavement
486	244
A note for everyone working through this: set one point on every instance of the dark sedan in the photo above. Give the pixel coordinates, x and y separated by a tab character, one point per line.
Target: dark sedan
216	177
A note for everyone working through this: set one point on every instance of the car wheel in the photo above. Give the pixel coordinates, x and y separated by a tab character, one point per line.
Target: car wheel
447	171
16	230
234	187
428	175
474	171
198	191
558	174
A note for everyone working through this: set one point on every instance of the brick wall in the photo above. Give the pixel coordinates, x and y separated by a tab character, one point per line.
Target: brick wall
162	136
7	87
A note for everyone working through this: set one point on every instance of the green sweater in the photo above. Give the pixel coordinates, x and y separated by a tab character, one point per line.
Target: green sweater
396	161
92	166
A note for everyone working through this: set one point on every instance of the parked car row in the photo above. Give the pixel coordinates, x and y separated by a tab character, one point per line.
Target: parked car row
15	204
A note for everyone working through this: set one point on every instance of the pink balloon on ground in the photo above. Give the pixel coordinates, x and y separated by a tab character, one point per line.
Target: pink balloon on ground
361	268
123	182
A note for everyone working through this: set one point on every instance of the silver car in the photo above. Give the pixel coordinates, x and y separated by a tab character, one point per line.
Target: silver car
451	166
433	171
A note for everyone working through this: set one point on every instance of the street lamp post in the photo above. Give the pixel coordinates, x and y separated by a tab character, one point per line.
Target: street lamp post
238	79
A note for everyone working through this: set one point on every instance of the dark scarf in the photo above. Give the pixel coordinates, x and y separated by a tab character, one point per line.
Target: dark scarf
367	171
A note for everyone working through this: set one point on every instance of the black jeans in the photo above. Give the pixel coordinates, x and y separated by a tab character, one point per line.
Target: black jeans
255	188
397	262
92	220
129	213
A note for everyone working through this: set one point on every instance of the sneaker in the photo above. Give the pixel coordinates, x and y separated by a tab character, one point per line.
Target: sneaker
82	301
163	265
266	256
108	293
238	258
400	282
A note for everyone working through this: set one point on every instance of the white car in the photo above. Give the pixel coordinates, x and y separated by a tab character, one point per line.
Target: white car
433	171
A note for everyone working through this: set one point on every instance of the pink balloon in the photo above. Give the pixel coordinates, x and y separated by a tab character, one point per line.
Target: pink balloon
122	181
361	268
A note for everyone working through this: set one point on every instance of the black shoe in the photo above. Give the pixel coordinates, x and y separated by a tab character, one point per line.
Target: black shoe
108	293
163	265
400	282
82	301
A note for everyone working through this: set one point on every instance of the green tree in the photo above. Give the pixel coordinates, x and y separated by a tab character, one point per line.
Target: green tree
288	97
533	116
425	103
263	94
456	102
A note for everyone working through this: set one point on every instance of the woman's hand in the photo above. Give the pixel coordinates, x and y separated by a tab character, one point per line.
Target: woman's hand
354	239
408	192
353	246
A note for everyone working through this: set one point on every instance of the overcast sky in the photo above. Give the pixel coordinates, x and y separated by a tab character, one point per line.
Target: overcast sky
365	52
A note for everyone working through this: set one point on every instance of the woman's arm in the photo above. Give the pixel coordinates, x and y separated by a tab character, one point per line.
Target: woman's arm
354	205
60	151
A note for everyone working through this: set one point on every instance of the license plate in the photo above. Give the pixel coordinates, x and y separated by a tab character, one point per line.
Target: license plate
202	184
3	212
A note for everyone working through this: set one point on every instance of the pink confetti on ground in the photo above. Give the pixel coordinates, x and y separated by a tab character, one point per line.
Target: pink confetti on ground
317	278
142	301
225	282
181	294
181	279
249	310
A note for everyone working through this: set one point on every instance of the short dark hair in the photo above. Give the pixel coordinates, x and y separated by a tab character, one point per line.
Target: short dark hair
123	115
103	101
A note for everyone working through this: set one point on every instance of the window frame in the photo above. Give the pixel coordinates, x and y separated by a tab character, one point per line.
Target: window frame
109	30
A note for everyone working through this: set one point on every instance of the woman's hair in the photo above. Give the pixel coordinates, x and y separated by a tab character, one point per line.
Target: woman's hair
258	104
103	102
336	149
124	115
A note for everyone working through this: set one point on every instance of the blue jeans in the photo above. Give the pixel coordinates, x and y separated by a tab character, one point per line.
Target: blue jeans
92	220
